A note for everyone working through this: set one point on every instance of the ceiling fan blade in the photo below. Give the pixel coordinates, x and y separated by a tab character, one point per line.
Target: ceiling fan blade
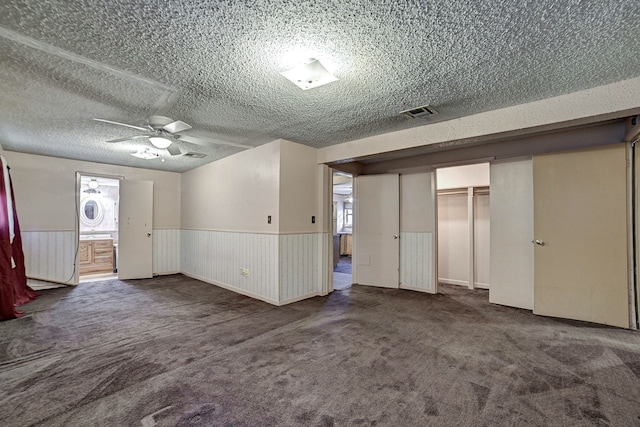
129	138
177	126
121	124
207	142
174	150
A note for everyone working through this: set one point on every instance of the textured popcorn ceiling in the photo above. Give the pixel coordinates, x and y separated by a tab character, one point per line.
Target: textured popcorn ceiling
216	65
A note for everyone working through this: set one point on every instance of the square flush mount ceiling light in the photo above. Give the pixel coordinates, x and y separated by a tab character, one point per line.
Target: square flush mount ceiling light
309	75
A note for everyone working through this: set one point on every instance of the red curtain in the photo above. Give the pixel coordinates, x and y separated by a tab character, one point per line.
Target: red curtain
13	279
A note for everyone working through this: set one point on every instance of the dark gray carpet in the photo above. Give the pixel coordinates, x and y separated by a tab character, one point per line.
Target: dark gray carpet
173	351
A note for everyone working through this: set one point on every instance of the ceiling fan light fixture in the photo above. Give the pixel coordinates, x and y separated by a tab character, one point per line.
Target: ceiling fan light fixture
309	75
145	154
160	141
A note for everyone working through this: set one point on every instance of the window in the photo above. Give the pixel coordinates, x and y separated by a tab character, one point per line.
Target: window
348	215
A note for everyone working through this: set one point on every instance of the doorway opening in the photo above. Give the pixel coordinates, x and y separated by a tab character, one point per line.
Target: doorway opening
342	229
97	212
463	224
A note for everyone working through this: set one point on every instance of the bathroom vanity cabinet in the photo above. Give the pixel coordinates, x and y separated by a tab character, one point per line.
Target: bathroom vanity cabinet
96	256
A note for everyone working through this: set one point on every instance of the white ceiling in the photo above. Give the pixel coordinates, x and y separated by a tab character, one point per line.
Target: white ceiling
216	66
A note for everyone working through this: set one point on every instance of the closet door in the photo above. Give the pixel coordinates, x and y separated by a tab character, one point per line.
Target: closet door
135	260
377	228
580	229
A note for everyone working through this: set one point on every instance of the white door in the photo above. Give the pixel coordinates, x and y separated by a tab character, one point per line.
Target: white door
580	226
377	230
135	238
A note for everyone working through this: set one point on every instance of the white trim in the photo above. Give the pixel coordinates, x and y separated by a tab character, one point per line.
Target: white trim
233	289
481	285
631	218
471	219
434	242
422	290
298	298
267	233
455	282
57	282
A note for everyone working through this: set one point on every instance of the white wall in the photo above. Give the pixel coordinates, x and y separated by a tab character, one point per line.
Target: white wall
476	175
511	233
453	239
482	240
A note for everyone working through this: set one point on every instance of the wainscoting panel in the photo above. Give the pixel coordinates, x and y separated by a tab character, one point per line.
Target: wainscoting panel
49	255
416	261
219	257
166	251
325	270
299	266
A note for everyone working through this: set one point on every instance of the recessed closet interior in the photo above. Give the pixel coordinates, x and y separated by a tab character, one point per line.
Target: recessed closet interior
464	225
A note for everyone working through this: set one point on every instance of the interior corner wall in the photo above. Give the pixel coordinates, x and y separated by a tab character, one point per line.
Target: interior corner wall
45	191
417	231
511	233
225	230
226	238
302	240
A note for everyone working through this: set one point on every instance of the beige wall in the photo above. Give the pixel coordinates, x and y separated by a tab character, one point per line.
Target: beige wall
417	213
299	200
45	190
236	193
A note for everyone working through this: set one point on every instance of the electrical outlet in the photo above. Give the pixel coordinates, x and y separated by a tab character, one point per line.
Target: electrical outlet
244	272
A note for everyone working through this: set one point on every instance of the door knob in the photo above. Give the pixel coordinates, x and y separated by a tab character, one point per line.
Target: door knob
148	234
538	242
395	236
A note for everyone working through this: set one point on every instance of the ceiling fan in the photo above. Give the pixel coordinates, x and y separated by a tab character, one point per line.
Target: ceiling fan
163	131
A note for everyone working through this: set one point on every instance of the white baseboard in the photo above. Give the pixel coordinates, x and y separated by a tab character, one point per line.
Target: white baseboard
300	298
411	288
454	282
463	283
233	288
